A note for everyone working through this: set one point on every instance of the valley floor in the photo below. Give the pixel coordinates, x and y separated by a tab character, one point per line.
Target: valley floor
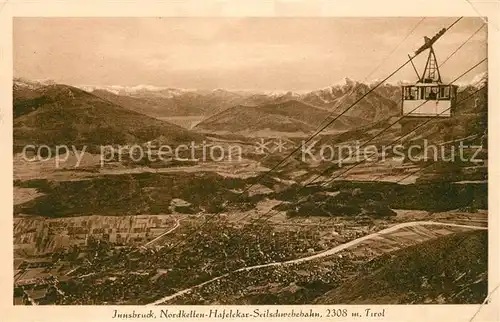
320	256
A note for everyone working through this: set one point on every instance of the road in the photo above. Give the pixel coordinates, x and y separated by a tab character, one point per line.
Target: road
177	224
326	253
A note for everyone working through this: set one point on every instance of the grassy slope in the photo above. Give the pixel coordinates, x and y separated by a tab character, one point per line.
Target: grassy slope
60	114
289	116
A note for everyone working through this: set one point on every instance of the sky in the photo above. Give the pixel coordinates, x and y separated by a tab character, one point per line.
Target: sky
261	54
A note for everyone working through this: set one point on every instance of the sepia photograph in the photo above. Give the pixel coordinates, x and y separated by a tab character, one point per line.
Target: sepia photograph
250	161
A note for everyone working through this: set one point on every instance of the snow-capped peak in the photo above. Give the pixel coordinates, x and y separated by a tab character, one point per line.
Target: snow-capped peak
131	90
480	79
33	84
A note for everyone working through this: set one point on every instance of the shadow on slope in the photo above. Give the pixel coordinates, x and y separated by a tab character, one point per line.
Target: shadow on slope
451	269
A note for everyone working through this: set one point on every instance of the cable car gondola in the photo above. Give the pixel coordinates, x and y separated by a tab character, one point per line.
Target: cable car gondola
429	97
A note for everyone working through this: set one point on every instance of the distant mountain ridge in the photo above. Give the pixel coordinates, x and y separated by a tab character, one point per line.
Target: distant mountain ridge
223	110
163	91
167	102
162	102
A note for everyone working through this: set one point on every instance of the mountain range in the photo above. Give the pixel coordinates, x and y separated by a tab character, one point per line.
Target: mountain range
46	112
243	112
163	102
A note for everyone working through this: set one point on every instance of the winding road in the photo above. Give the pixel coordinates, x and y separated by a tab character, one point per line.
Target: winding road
177	224
326	253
